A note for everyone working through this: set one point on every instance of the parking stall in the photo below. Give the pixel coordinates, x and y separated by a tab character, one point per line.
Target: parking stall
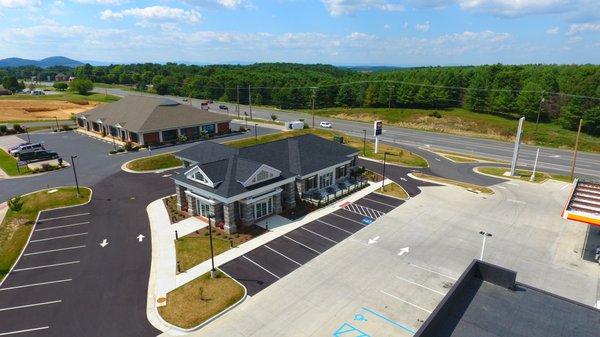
272	261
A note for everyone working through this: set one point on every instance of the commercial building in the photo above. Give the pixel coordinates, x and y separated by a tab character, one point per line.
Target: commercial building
242	186
152	120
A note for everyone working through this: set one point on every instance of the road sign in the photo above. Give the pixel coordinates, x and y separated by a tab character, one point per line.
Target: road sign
378	127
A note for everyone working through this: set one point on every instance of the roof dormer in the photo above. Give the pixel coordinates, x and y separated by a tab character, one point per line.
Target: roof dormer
196	174
263	173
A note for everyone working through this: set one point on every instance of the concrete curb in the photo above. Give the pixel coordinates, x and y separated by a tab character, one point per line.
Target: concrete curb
35	223
394	164
476	170
124	166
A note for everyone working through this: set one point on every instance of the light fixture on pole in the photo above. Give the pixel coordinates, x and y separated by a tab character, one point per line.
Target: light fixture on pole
485	235
365	143
213	272
75	174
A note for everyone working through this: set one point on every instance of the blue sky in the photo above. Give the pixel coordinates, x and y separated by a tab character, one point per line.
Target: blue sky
343	32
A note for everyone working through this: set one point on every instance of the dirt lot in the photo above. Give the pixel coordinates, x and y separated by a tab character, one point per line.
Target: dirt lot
22	110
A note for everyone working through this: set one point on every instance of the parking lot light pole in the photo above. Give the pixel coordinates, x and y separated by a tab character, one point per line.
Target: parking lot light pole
56	119
256	133
213	272
383	180
365	143
485	235
75	174
113	138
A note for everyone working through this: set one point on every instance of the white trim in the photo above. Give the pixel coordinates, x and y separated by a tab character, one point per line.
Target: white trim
260	197
264	167
196	196
196	169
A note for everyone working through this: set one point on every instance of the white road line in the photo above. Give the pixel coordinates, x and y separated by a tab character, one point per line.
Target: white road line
343	217
46	266
513	184
22	331
407	302
64	217
420	285
315	233
562	188
432	271
516	201
303	245
59	237
53	250
502	187
30	305
35	284
261	267
379	202
63	226
336	227
285	256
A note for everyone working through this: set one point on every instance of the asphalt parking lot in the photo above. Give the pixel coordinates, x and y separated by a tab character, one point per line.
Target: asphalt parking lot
272	261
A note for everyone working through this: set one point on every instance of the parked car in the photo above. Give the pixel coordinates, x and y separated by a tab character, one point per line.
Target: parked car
12	149
223	107
185	99
37	155
27	148
325	124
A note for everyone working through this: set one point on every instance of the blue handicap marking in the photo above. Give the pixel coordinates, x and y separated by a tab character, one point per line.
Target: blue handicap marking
367	221
348	329
359	317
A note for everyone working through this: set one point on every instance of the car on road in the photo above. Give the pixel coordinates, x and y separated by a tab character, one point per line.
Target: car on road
185	99
210	101
223	107
325	124
37	155
27	147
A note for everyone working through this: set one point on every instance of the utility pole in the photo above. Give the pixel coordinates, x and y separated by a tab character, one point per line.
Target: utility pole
237	89
255	133
485	235
537	154
314	93
513	165
250	101
56	119
537	121
575	150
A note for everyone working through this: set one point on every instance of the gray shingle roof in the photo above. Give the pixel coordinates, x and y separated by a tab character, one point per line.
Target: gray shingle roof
144	114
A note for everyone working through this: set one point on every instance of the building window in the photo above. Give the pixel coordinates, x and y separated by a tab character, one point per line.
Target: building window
209	128
263	208
310	183
199	176
340	172
169	135
203	208
326	180
134	137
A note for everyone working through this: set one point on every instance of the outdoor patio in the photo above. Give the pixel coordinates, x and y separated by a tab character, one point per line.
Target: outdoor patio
336	191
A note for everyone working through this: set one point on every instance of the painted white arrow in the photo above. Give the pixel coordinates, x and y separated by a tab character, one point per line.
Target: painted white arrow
104	243
373	240
140	238
403	179
404	251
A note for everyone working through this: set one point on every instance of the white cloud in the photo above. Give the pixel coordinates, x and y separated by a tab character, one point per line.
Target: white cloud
423	27
344	7
515	7
217	4
387	27
553	30
19	3
357	36
583	28
153	13
101	2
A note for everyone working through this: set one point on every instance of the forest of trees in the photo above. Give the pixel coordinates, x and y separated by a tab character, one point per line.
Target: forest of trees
559	93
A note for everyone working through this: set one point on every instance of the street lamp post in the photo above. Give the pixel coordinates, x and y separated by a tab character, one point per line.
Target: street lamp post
255	133
365	143
56	119
75	175
213	272
485	235
113	139
537	121
383	180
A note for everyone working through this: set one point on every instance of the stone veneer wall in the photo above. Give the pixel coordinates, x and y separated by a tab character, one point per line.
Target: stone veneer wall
229	218
290	195
182	202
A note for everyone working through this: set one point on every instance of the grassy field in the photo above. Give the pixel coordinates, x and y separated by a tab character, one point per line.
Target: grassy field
153	163
192	250
524	174
395	154
393	190
467	186
200	299
8	164
16	226
463	122
67	96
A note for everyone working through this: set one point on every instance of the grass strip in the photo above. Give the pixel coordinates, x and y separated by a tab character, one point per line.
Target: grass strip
467	186
153	163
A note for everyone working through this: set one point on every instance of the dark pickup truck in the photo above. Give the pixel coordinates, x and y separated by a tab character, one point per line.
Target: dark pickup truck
37	156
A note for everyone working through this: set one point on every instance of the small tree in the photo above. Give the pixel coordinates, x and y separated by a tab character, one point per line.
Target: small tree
60	86
15	203
17	128
31	87
82	86
274	117
3	129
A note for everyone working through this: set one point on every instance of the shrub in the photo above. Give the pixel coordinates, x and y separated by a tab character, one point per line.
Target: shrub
3	129
121	150
15	203
82	86
113	152
435	114
17	128
103	133
182	139
128	146
60	86
306	126
274	117
47	167
65	127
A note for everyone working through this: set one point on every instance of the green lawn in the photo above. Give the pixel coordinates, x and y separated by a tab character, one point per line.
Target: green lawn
16	226
393	190
192	250
524	174
153	163
467	186
395	154
8	164
67	96
200	299
464	122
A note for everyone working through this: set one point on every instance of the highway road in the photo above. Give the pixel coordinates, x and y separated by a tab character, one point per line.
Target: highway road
550	159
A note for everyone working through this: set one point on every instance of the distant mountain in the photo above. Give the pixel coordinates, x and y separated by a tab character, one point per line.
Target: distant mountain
12	62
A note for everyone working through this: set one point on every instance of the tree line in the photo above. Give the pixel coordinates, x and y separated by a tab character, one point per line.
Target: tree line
553	93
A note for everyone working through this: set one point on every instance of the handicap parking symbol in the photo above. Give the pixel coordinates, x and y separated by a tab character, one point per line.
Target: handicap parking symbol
367	221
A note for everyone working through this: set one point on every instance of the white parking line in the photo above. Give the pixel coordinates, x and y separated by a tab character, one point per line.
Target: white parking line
22	331
35	284
324	237
407	302
283	255
420	285
59	237
261	267
46	266
63	226
343	217
432	271
30	305
53	250
303	245
379	202
64	217
336	227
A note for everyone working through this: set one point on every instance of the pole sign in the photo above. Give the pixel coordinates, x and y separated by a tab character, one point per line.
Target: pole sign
378	127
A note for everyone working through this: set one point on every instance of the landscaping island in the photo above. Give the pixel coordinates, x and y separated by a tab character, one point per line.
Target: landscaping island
522	174
8	164
17	225
153	163
467	186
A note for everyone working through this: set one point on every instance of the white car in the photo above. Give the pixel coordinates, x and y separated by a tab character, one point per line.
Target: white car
324	124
